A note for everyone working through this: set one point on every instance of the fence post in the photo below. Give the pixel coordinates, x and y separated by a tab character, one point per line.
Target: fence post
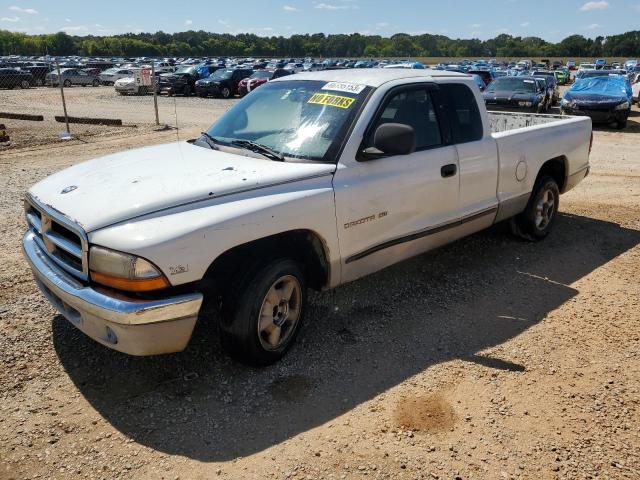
155	91
64	103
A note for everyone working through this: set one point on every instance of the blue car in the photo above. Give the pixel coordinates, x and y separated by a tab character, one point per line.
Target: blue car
605	99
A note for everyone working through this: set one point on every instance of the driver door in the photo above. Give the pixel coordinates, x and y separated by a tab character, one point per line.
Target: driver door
395	207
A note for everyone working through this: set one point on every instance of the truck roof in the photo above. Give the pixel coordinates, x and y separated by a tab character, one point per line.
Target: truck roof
373	77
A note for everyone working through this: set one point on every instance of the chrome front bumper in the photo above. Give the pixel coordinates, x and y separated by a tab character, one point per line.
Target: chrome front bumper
136	327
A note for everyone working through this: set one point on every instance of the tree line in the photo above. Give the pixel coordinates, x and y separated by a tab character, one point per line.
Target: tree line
201	43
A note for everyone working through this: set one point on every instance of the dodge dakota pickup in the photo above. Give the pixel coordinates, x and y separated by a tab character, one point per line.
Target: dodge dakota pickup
310	181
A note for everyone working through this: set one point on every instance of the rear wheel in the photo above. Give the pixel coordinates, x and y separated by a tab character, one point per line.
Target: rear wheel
537	220
262	311
24	84
66	83
225	92
187	91
96	83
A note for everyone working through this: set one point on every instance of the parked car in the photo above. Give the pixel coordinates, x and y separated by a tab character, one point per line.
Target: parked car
486	76
516	93
605	99
600	63
112	75
635	88
222	83
72	76
260	77
479	82
39	73
135	85
311	181
563	76
183	80
552	83
571	65
14	77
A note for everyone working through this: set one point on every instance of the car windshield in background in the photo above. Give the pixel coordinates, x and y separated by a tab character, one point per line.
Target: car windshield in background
262	74
512	84
599	73
312	118
222	74
186	70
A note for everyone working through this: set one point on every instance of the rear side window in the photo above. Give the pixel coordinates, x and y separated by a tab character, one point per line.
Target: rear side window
466	123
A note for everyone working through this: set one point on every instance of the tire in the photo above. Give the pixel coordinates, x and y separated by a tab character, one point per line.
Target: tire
96	83
186	91
621	124
66	83
39	82
251	330
24	84
538	218
225	92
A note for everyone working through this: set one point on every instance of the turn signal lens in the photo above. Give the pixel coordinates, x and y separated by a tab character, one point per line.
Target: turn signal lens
124	271
130	285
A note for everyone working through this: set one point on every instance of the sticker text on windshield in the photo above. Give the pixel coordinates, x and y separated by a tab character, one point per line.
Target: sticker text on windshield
331	100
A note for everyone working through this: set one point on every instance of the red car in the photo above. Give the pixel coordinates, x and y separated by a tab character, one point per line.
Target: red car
260	77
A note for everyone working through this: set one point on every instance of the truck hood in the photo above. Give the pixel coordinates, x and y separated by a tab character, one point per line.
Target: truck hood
128	184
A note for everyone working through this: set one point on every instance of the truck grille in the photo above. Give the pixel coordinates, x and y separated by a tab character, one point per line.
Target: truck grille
64	241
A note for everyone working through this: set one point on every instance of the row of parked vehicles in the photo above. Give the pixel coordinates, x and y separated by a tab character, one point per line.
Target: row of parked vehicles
604	95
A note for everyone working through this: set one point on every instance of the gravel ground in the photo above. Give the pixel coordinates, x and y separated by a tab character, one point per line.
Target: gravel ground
488	358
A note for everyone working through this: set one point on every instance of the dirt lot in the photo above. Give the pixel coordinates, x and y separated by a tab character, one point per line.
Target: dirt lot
489	358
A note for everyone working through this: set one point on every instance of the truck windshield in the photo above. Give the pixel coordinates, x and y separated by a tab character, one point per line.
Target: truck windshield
296	118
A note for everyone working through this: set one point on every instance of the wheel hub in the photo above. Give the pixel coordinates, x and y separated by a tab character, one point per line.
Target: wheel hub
545	209
280	312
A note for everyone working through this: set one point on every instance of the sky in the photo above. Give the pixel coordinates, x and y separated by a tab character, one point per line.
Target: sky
551	20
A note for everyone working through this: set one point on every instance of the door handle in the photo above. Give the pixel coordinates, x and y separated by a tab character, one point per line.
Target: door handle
449	170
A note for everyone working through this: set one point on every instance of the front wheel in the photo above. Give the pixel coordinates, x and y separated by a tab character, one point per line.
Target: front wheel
262	312
187	91
621	124
225	92
96	83
24	84
537	219
66	83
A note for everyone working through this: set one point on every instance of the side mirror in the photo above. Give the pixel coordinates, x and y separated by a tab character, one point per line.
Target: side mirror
392	139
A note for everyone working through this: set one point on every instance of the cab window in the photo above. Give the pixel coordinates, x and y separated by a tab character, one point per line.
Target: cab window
465	118
414	108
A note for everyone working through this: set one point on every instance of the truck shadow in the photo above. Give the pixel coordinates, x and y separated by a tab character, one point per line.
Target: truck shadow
359	341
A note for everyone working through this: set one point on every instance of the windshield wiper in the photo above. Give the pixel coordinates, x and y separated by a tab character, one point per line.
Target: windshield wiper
211	141
258	148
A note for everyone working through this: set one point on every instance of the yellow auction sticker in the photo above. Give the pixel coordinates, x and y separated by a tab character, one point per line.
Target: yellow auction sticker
331	100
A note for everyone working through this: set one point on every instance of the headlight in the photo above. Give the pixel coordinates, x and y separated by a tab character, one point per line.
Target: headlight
525	104
124	271
566	103
623	106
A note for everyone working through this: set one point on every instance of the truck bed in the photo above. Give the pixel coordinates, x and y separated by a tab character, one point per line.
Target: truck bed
505	121
526	141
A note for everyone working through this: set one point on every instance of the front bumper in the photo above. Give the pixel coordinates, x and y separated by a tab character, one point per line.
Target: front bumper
207	90
494	107
127	88
132	326
598	116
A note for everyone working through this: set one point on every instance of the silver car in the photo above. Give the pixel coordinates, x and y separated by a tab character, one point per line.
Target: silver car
72	76
112	75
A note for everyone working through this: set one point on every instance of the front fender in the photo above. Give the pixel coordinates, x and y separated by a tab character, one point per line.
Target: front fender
184	241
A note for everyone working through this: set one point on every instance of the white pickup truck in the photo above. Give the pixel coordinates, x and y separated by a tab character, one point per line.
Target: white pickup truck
313	180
